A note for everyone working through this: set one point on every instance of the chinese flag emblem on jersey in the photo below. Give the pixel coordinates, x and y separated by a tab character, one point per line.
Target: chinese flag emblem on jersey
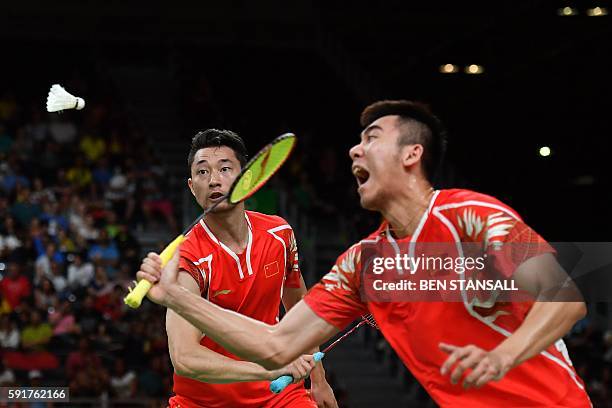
271	269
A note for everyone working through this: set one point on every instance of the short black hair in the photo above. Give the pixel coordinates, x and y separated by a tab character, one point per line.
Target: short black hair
217	138
429	130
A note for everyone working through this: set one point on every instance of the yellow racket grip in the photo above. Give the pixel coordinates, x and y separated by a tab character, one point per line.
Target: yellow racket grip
134	298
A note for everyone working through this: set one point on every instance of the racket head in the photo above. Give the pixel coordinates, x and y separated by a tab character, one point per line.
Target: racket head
262	167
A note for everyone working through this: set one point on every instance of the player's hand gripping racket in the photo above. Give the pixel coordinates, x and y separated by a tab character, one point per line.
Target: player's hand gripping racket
254	175
283	381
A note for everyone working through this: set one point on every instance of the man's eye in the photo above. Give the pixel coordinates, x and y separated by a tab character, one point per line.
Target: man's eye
202	171
226	168
370	137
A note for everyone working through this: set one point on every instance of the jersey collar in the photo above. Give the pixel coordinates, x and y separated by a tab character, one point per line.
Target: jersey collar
232	253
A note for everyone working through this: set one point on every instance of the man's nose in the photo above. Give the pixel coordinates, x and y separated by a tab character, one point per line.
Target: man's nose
215	181
356	151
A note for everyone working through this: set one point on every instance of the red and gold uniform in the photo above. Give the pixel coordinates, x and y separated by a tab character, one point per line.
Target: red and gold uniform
414	329
250	283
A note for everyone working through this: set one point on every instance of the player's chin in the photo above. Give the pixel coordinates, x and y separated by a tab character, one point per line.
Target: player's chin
222	207
367	201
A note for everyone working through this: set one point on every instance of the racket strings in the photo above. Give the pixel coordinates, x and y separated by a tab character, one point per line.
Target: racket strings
369	319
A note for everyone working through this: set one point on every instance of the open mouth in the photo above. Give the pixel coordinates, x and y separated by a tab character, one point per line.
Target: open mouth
361	174
215	196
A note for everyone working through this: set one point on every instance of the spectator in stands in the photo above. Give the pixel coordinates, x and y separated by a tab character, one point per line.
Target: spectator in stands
104	252
116	146
111	305
7	377
58	278
79	175
24	210
81	223
80	273
125	276
87	375
34	339
102	175
155	202
82	359
9	334
13	177
43	262
128	245
133	346
62	186
93	146
9	241
63	321
100	285
123	382
14	287
41	194
36	334
87	315
119	194
150	380
90	382
45	295
35	377
112	225
102	339
65	243
53	219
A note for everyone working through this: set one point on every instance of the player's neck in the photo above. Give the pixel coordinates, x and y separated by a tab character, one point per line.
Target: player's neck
405	210
230	227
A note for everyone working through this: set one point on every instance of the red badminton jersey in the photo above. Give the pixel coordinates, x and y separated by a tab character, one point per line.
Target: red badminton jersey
414	329
250	283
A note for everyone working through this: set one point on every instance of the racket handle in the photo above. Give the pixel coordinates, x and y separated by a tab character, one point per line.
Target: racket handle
134	298
283	381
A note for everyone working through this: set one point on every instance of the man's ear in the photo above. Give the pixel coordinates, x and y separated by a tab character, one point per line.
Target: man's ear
411	154
190	184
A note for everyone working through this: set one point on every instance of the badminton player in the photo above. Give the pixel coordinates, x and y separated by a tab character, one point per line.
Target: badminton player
243	261
463	354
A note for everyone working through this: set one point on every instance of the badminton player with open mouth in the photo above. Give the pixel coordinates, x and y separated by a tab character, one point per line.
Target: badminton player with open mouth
463	353
243	261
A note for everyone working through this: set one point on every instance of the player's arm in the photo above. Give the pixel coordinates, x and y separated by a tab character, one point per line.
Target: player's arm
192	360
558	308
546	322
271	346
320	389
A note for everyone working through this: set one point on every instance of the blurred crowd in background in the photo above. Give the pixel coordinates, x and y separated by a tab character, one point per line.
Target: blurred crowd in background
73	189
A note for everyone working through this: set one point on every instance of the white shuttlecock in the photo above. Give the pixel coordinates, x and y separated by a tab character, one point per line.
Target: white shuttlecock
59	99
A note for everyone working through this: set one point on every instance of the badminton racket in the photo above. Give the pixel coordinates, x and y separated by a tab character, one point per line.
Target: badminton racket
283	381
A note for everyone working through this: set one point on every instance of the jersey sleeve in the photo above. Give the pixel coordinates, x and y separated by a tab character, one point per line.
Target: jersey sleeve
188	263
336	298
292	274
505	239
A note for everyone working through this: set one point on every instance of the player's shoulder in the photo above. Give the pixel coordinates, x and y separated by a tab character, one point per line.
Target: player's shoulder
196	239
455	199
266	222
352	255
